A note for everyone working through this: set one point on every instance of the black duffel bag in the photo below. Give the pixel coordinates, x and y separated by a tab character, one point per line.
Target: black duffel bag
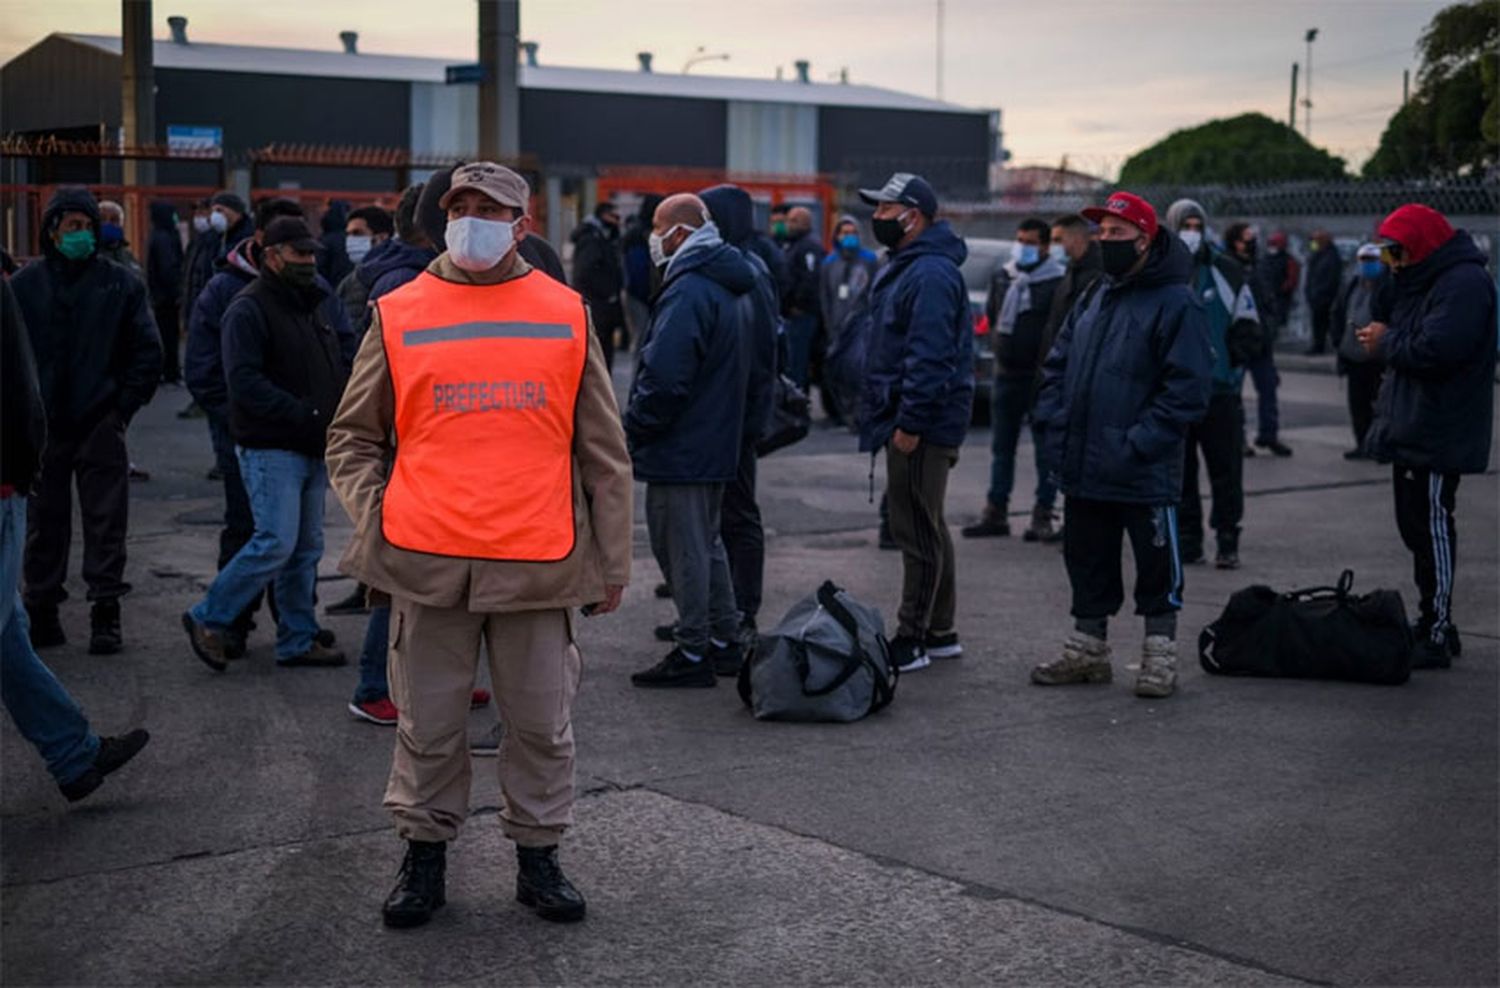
791	417
1318	633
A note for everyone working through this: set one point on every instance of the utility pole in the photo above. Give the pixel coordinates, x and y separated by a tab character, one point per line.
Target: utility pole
1312	35
137	87
499	84
939	49
1291	118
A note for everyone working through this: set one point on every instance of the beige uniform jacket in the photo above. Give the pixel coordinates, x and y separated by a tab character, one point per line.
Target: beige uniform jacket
360	449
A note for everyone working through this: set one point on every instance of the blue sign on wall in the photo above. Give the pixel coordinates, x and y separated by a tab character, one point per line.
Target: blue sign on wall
181	137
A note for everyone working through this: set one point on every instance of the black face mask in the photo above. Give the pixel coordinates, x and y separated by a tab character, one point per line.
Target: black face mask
1117	257
888	231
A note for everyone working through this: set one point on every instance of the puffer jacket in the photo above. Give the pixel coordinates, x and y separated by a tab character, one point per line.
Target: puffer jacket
686	416
1130	371
92	332
1435	409
919	374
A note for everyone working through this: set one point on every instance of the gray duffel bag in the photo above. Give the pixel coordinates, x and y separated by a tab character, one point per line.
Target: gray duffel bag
826	661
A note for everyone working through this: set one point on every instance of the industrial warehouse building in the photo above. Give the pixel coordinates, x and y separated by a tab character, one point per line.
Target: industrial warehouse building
573	121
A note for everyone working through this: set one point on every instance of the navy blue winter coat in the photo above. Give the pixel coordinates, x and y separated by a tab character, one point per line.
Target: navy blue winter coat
1435	408
919	376
203	357
1130	371
686	415
734	214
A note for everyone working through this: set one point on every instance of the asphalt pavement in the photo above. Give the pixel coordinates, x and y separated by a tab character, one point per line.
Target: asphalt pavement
979	831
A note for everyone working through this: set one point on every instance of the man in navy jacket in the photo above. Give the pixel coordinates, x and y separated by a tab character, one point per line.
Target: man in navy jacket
1129	373
919	386
1433	416
685	422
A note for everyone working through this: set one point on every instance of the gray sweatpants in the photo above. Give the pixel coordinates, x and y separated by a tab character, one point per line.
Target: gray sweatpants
683	521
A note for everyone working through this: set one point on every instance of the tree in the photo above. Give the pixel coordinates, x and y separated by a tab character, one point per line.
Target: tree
1248	148
1452	123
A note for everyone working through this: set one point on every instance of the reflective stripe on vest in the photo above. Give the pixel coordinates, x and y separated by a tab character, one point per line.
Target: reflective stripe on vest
486	380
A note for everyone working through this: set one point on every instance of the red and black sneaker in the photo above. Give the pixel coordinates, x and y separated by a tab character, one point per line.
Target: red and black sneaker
382	712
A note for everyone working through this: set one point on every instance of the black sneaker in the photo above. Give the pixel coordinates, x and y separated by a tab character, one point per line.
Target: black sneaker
676	671
943	645
727	660
665	632
663	591
104	628
1429	654
420	885
317	656
353	603
46	627
908	655
541	884
1357	453
1227	559
113	754
1276	446
326	637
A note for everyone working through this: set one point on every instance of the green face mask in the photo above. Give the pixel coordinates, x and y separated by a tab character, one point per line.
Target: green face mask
75	245
299	274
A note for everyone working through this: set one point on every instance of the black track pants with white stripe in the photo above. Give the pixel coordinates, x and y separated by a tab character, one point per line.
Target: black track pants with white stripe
1424	515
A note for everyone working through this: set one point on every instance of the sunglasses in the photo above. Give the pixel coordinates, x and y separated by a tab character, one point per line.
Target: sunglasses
1391	252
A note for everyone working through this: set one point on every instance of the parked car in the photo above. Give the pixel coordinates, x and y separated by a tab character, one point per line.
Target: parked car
985	256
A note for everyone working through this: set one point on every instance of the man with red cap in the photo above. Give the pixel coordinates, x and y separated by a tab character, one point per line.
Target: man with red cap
1129	373
1433	417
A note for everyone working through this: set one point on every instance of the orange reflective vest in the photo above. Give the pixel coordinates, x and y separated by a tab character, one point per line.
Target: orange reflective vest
486	379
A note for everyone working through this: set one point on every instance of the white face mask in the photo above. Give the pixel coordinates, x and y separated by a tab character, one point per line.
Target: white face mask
218	221
659	256
1192	238
478	245
357	247
1057	253
200	224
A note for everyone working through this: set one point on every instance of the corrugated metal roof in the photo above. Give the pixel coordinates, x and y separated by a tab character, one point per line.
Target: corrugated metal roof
207	56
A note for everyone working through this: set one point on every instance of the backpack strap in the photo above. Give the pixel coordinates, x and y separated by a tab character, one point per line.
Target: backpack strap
1339	592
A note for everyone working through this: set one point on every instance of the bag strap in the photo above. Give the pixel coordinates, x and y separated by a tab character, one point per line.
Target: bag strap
1341	591
884	688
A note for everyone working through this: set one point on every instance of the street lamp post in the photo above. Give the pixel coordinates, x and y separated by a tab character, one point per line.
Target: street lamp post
1312	35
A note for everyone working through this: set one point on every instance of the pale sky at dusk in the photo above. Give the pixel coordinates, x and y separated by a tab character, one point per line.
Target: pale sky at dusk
1092	79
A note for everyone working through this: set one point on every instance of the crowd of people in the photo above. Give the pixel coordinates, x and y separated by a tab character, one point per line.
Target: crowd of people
435	368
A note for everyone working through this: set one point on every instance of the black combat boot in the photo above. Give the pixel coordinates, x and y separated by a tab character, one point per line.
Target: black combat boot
419	887
541	885
104	624
46	626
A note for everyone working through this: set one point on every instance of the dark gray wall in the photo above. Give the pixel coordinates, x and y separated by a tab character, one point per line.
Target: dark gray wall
58	84
951	150
563	128
256	110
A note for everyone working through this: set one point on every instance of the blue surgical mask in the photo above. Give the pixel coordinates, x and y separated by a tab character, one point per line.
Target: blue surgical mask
111	233
1371	269
1028	254
849	241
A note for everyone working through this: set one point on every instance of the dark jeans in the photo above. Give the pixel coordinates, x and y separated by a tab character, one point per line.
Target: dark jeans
166	324
1220	436
1424	515
1010	407
1322	319
1263	372
916	489
683	523
373	684
1092	534
744	537
1364	385
607	316
100	466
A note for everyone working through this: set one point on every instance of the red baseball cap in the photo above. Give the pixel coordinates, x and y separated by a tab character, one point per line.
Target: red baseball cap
1127	206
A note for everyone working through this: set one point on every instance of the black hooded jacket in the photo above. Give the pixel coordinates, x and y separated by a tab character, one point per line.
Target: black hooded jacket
734	214
95	341
164	255
23	419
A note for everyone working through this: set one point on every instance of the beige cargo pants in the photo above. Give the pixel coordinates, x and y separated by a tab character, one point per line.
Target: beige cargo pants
534	667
